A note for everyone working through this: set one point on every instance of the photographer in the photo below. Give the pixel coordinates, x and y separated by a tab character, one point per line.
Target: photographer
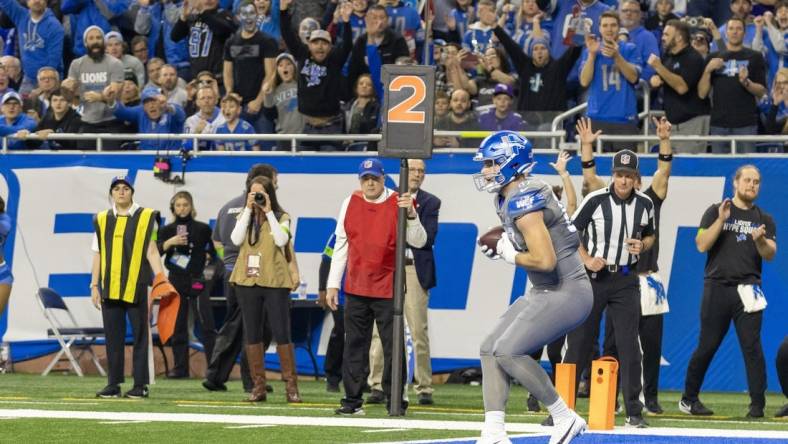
185	243
263	281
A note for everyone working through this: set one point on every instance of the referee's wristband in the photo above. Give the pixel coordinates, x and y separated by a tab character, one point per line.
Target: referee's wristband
666	157
588	164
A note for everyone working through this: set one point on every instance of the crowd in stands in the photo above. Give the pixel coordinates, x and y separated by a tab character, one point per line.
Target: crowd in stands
314	66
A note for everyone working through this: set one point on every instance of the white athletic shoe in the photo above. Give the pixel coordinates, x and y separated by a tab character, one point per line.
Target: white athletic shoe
567	429
494	438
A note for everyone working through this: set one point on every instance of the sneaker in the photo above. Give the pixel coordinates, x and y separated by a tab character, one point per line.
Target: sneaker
332	387
695	408
654	408
268	389
532	404
177	375
494	438
376	397
782	413
755	412
619	408
548	422
425	399
214	386
138	392
349	411
635	422
567	429
110	391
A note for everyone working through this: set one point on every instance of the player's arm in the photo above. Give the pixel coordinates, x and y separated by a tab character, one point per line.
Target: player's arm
540	255
711	225
664	163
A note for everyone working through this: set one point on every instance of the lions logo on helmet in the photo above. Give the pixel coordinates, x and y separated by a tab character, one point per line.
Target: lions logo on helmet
511	152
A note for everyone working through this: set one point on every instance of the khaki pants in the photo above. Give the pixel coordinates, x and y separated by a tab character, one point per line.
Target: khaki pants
415	309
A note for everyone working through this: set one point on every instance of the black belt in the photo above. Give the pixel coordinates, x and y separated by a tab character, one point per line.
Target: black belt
623	270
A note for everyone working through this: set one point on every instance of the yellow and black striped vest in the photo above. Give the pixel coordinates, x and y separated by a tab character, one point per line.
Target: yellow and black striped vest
123	245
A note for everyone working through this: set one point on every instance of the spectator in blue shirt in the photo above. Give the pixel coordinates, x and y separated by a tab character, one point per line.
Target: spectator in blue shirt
154	116
501	117
86	13
741	9
231	110
610	71
644	40
407	22
14	120
520	23
40	38
478	37
563	14
156	21
772	43
458	20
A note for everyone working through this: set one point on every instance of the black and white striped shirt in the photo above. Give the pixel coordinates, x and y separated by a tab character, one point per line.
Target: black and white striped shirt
605	222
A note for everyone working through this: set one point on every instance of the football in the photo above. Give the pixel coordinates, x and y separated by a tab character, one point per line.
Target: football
491	237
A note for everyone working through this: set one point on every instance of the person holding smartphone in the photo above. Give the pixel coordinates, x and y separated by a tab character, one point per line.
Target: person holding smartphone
186	244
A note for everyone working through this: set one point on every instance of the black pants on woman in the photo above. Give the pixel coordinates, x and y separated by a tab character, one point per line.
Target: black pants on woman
200	305
265	305
114	315
721	304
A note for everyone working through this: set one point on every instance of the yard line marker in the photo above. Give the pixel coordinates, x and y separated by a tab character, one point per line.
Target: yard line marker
122	422
384	430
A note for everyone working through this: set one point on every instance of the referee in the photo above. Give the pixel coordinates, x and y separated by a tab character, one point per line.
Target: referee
616	224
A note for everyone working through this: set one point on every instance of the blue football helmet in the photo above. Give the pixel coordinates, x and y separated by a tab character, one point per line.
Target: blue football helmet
512	153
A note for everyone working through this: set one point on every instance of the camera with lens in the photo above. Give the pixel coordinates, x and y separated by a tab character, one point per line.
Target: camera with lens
259	199
695	22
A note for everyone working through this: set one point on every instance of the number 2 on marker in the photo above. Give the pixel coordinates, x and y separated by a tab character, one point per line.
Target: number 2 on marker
403	112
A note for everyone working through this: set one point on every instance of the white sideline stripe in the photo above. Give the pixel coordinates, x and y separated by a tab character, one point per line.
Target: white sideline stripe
384	430
376	423
250	426
122	422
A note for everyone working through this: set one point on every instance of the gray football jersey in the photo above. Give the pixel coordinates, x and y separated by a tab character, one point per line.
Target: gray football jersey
532	195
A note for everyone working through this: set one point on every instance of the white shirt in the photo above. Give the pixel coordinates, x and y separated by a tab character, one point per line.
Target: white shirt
279	230
415	236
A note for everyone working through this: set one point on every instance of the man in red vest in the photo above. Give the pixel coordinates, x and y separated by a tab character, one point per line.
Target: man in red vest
366	237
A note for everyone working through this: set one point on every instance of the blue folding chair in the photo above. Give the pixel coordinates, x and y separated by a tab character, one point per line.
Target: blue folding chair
68	336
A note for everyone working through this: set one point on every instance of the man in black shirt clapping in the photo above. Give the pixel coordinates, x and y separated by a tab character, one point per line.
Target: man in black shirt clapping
320	80
736	77
738	235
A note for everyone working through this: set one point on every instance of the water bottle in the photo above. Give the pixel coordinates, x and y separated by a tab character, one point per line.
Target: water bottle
302	290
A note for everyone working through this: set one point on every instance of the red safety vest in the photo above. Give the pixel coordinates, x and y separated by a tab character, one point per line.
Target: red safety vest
372	239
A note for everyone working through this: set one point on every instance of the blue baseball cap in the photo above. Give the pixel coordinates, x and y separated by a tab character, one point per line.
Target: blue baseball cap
122	179
370	166
149	93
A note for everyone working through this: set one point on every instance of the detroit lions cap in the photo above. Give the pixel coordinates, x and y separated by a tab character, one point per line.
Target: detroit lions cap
625	161
320	34
121	179
370	166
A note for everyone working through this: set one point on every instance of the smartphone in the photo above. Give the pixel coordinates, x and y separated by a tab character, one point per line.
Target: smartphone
181	230
469	61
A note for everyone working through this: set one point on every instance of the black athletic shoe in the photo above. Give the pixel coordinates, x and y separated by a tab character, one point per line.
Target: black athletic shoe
376	397
174	375
654	408
110	391
695	408
213	386
583	389
548	422
532	404
755	412
332	387
268	389
636	422
138	392
349	411
782	413
426	399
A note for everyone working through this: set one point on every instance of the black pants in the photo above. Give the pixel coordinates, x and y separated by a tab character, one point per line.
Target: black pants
110	126
620	295
265	306
230	342
200	306
720	305
114	315
650	334
360	312
782	366
336	347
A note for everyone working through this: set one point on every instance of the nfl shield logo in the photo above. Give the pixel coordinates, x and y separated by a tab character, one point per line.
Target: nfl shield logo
625	159
367	164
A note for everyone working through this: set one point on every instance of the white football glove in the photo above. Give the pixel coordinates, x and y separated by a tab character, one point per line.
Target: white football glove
506	250
489	252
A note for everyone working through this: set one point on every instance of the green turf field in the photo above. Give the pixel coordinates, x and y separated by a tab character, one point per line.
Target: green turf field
454	403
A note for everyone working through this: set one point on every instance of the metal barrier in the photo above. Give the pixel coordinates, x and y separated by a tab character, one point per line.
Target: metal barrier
732	140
